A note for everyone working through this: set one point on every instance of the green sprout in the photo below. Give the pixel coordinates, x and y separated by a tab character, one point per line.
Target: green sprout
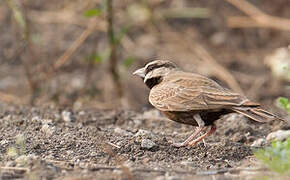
276	157
284	103
19	148
93	12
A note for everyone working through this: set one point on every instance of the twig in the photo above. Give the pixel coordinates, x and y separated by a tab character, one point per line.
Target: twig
257	17
163	171
9	98
184	13
114	145
218	69
126	171
96	167
28	57
14	168
64	17
75	45
191	44
113	66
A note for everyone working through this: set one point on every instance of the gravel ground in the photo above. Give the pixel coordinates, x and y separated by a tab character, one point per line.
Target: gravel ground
116	144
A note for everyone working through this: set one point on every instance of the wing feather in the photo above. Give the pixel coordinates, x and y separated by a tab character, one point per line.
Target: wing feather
192	92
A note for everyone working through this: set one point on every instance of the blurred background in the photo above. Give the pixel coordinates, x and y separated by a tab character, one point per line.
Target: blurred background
81	54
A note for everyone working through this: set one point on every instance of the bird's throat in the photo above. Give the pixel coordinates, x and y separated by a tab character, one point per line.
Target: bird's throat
153	82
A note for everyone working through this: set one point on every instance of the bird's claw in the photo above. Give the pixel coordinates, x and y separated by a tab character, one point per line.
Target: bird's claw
179	144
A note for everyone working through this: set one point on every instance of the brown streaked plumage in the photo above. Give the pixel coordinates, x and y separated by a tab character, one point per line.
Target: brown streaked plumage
194	99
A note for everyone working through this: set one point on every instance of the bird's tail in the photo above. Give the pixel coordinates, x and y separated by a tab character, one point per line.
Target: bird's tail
256	113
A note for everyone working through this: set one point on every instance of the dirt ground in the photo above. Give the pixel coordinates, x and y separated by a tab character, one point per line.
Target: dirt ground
60	143
75	130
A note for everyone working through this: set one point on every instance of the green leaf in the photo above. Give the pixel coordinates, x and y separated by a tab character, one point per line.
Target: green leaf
276	157
92	12
284	103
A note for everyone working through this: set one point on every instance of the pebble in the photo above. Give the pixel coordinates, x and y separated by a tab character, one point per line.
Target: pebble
259	142
122	132
24	159
278	135
81	113
147	144
145	134
47	129
67	116
3	142
35	119
10	164
187	163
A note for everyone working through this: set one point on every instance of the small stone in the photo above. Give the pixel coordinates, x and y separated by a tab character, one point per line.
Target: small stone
122	132
48	129
147	144
10	164
3	142
22	160
67	116
279	135
81	113
160	178
145	134
239	138
218	38
69	152
35	118
187	163
259	142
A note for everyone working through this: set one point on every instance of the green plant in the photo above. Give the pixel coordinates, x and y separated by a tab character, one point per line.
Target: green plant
284	103
19	147
276	157
92	12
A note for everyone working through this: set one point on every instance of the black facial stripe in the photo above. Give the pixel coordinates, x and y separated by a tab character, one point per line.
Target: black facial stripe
156	66
153	82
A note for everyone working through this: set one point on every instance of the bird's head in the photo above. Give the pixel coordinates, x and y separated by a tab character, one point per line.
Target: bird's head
153	72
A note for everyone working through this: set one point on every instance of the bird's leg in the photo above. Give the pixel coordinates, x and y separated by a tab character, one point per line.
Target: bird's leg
190	138
211	131
200	123
201	127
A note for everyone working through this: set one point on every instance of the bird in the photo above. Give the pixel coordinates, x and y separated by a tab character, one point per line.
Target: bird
194	99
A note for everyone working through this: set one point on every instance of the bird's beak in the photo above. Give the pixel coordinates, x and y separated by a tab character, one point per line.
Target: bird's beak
140	72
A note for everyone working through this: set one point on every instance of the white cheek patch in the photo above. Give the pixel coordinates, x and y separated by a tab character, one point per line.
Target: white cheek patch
148	76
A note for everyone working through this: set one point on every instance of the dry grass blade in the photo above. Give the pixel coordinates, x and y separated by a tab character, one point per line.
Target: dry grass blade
14	168
9	98
218	69
63	17
257	18
126	171
191	44
113	66
28	56
247	8
76	44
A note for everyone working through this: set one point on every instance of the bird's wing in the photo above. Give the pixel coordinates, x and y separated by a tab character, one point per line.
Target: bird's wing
192	92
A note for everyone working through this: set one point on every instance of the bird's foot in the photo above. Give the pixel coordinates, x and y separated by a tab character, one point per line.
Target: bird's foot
204	143
179	144
201	138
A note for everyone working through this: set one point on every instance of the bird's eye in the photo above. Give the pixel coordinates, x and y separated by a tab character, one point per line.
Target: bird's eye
149	68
